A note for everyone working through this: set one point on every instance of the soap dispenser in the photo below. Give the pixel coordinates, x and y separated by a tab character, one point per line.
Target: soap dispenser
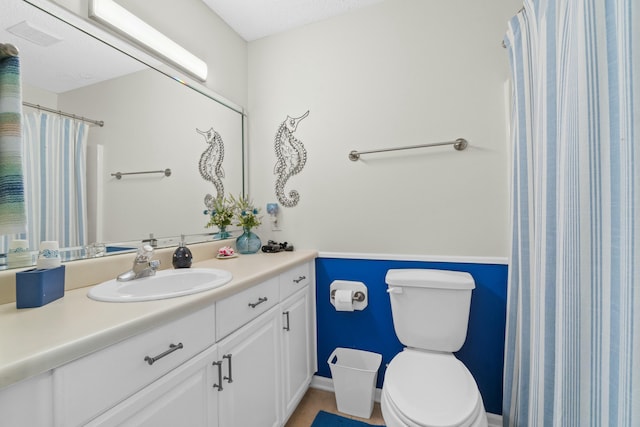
182	256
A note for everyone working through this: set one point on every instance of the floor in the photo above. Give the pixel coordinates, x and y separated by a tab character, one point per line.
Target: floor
315	400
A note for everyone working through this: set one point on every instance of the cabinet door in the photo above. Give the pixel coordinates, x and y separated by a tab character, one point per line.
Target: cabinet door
250	395
184	396
28	403
296	348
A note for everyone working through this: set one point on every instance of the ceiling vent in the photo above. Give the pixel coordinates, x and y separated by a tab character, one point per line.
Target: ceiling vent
29	32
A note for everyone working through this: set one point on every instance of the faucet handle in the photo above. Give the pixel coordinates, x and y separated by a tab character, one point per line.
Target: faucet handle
154	264
145	252
147	248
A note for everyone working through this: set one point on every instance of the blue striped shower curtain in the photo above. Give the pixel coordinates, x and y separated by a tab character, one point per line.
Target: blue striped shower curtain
572	351
12	205
55	179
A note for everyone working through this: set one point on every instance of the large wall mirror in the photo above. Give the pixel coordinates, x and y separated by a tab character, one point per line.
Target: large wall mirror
152	122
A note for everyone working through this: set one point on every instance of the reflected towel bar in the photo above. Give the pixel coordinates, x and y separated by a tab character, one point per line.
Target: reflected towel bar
459	144
119	175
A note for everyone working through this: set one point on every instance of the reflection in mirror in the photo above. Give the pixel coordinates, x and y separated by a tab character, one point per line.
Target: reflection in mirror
151	123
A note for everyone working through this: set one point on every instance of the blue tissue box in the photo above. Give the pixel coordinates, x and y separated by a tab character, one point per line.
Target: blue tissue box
35	288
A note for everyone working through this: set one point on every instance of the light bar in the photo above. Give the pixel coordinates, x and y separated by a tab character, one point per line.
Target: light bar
124	22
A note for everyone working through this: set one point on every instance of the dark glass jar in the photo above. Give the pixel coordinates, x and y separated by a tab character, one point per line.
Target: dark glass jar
182	257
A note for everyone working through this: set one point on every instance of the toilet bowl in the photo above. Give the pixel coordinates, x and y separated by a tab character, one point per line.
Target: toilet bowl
426	389
425	385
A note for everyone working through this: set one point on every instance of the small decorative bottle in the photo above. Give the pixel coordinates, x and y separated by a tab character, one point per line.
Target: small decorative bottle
182	256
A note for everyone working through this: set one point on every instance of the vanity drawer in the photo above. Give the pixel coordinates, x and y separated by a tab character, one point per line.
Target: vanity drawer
238	309
88	386
294	279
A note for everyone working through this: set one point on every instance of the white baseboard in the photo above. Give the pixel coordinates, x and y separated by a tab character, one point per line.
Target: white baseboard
326	384
494	420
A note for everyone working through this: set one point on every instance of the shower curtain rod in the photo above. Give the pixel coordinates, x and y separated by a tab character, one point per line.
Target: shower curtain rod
6	50
62	113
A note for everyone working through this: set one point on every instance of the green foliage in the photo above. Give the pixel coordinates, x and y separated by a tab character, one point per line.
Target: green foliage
246	214
222	213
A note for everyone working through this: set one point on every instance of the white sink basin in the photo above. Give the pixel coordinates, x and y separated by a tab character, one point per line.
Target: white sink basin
165	284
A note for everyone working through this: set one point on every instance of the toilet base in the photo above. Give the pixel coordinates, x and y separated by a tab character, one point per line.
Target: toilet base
393	419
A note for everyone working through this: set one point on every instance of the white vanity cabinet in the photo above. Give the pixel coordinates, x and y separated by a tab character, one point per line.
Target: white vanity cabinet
296	358
28	403
271	359
244	361
185	396
90	385
250	394
298	334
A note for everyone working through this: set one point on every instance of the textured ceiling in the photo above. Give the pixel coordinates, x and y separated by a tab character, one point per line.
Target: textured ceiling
254	19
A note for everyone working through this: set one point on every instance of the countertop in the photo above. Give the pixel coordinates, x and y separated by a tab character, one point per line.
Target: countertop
37	340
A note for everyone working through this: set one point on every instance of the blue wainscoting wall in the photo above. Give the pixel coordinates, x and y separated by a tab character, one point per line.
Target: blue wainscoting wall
372	328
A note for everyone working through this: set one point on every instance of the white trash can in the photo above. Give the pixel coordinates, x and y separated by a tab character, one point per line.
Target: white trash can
354	374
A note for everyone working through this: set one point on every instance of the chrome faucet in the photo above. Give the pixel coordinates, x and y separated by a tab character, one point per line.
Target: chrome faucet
143	265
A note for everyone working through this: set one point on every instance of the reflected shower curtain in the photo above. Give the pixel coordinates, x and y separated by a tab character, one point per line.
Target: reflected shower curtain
572	351
55	179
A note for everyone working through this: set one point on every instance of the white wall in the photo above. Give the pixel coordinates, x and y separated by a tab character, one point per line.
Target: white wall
155	130
398	73
39	96
402	72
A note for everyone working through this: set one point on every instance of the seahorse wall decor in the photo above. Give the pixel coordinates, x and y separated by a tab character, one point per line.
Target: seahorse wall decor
291	157
210	164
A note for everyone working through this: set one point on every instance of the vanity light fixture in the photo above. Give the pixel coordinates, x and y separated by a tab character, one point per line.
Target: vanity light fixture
124	22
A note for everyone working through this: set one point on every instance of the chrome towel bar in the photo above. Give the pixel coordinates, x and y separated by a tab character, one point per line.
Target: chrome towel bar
459	144
119	175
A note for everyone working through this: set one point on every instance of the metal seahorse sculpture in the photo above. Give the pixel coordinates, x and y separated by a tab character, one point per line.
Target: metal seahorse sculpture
291	158
210	164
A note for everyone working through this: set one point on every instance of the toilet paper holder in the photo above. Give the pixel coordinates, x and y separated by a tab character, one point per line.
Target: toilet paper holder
358	290
358	296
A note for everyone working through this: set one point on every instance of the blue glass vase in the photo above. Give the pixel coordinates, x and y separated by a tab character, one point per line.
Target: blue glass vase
222	233
248	242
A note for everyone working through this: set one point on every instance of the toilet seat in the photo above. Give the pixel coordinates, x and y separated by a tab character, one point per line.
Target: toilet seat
425	389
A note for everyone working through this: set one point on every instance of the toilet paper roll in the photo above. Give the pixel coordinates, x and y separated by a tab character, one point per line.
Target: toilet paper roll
343	300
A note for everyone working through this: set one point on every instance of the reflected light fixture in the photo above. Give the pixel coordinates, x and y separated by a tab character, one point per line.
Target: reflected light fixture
116	17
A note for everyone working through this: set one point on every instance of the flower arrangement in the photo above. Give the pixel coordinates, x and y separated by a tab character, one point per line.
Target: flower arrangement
221	213
245	213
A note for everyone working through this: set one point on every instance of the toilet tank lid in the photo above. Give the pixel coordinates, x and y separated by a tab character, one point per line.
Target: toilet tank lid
429	278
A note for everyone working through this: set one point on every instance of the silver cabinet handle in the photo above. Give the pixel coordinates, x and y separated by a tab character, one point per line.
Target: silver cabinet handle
219	385
286	328
299	279
172	347
229	379
260	301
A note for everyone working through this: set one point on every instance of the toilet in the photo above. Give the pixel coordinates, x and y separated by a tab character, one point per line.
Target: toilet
425	385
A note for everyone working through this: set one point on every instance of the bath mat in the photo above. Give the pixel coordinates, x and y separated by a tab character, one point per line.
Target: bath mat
326	419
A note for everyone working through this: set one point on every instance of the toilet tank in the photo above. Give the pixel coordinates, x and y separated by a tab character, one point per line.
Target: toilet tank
430	307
